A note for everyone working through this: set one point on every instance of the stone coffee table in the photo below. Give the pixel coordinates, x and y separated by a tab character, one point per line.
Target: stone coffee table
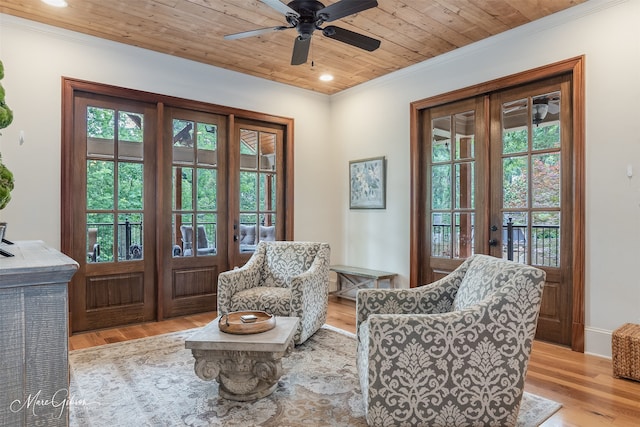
247	367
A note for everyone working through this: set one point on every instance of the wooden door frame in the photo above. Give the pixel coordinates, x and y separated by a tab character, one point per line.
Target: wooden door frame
575	68
70	87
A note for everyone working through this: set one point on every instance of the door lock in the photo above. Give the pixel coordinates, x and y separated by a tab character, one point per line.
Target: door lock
493	242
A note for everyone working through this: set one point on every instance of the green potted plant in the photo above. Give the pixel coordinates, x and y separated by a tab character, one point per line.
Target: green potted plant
6	177
6	185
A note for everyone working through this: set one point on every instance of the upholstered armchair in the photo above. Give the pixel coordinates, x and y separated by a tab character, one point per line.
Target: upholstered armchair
451	353
283	279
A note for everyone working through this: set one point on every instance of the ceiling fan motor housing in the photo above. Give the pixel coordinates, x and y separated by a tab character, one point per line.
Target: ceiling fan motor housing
307	22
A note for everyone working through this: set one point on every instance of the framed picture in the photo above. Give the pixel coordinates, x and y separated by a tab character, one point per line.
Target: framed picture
367	183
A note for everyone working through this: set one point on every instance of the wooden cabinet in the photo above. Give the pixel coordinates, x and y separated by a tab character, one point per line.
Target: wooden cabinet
34	367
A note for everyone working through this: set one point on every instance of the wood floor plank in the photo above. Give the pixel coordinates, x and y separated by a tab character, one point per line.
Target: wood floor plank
582	383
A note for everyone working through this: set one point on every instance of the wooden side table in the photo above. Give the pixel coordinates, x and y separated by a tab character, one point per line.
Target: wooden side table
353	278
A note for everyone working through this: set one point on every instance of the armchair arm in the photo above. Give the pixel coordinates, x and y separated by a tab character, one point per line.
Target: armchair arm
436	297
309	293
311	284
233	281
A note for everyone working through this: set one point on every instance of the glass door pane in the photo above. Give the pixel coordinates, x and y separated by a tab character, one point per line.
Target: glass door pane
115	185
531	179
194	188
452	166
258	189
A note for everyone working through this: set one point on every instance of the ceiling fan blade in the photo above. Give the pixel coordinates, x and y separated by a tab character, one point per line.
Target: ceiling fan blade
507	111
300	50
349	37
554	107
345	8
252	33
280	7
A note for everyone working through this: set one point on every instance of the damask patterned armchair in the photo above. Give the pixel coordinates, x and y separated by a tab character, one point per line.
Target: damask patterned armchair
452	353
283	279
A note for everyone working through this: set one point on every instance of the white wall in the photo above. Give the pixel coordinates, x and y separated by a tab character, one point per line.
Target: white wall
373	120
36	57
367	121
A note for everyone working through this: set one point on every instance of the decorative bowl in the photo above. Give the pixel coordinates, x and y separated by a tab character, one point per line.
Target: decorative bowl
233	323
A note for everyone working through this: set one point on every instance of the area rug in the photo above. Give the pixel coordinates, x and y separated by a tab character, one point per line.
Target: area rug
151	382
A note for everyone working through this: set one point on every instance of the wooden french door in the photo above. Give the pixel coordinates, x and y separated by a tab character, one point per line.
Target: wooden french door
532	192
113	212
457	196
195	210
498	179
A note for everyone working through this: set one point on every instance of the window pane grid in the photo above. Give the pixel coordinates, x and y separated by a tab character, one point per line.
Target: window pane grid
258	188
453	186
195	188
115	185
531	168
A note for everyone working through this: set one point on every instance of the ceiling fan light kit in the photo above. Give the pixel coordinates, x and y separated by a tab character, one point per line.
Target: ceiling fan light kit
540	110
306	16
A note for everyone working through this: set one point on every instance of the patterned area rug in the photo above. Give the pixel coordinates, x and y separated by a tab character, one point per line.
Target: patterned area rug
151	382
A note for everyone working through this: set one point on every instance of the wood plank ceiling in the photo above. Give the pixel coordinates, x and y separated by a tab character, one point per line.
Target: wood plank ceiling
411	31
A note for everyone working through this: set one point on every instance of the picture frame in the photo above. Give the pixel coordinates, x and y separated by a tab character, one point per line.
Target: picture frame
367	183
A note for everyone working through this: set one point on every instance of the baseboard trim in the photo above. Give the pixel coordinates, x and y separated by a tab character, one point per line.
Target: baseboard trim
598	342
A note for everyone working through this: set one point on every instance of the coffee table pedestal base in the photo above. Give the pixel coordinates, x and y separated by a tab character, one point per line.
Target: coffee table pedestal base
242	375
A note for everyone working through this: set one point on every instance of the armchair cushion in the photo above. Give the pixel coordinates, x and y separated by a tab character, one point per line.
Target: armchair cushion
276	301
285	261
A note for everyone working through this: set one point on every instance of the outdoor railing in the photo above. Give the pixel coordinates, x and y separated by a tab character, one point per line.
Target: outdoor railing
128	245
545	243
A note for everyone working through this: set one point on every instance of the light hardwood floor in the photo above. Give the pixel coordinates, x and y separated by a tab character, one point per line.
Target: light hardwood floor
583	383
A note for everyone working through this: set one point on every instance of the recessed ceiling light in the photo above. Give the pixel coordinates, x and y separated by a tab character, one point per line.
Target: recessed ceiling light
326	77
56	3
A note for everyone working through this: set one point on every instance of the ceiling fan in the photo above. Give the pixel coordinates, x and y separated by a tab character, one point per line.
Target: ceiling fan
306	16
